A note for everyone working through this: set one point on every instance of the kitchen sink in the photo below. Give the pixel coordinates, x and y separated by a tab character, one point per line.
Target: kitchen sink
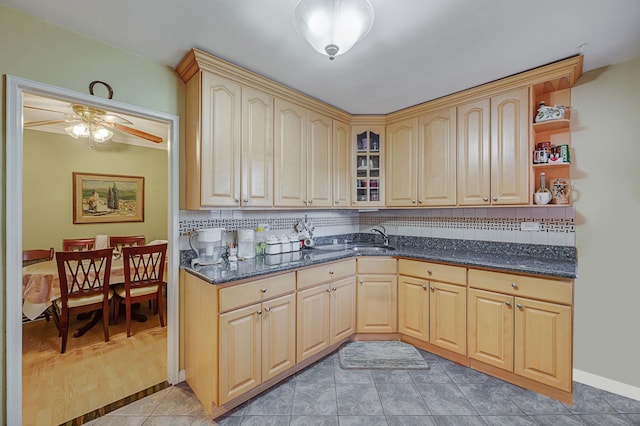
363	248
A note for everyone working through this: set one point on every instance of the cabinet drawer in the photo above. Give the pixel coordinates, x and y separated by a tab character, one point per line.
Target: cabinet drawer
256	291
519	285
328	272
433	271
377	265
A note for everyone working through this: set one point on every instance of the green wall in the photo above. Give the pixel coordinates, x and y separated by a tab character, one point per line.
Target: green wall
37	50
47	187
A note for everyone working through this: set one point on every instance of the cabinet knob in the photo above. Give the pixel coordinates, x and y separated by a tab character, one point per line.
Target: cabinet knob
310	202
328	290
334	288
305	202
413	201
246	200
495	198
336	202
419	201
259	312
429	271
267	309
485	199
361	282
330	272
424	286
519	305
433	288
237	200
264	290
514	285
507	303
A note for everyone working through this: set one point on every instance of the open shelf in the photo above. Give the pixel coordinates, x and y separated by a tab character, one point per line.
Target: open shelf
551	125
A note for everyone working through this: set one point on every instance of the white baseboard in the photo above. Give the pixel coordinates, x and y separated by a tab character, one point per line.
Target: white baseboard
608	385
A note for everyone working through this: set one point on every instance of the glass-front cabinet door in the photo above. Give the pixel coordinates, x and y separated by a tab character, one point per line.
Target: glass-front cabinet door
368	164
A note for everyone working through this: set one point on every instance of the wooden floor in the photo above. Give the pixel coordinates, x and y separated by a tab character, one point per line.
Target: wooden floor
92	373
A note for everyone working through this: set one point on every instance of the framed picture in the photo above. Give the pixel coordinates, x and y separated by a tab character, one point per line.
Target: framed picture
99	198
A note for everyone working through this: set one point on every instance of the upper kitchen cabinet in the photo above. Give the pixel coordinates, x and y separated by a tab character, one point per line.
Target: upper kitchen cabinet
341	164
367	162
421	160
493	149
303	163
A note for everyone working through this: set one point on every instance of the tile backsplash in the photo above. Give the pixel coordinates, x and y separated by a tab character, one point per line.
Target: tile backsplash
556	224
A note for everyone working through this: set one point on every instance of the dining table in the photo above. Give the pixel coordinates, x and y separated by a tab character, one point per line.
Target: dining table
41	287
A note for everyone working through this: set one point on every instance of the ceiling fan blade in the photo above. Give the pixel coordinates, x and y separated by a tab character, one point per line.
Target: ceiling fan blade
136	132
49	110
113	118
44	123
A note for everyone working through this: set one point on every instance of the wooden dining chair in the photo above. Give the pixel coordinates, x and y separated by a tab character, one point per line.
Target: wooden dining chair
77	244
117	243
84	287
143	279
29	257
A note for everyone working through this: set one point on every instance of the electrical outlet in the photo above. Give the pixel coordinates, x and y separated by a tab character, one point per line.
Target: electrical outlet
529	226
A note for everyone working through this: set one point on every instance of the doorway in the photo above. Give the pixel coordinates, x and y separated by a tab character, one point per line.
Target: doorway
16	90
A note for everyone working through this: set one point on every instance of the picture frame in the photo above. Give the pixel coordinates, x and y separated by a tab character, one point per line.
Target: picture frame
107	198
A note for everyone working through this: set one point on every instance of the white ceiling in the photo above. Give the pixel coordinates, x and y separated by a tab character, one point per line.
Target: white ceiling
417	50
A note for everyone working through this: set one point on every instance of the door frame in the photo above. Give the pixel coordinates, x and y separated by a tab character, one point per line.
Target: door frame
14	89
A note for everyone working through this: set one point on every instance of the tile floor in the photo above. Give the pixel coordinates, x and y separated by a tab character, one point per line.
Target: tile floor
446	394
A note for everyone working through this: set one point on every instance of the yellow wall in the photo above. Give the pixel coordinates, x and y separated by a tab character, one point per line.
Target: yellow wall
606	176
36	50
47	188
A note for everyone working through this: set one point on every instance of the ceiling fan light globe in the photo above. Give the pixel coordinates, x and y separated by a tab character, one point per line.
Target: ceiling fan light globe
100	134
78	130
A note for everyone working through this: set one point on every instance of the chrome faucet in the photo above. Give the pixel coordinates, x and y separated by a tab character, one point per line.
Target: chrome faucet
382	232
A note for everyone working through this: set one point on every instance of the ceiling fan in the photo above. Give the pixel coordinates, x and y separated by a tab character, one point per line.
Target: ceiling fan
94	123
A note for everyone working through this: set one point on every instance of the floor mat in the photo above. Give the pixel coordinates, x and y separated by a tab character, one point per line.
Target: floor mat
380	355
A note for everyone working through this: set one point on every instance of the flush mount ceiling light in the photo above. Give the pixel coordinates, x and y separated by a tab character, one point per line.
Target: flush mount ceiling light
332	27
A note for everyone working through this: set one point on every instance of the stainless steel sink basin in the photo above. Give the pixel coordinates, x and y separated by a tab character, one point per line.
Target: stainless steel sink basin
373	249
363	248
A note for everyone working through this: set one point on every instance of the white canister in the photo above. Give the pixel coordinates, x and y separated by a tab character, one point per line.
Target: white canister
285	245
246	242
273	259
273	245
295	242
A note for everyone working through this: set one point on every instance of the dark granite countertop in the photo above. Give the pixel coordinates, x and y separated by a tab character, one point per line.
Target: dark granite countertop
549	261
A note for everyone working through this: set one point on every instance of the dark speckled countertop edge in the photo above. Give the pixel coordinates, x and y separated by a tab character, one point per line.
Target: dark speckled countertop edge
525	263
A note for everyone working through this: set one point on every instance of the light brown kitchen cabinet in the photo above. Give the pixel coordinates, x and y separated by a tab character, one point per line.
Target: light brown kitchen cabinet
377	295
401	164
448	317
493	150
413	307
303	162
341	164
523	325
368	151
326	307
421	160
229	150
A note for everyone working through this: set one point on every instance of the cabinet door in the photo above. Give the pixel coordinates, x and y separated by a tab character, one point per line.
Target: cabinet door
367	164
543	349
257	148
313	321
240	352
341	164
509	147
220	144
343	309
413	307
290	163
377	304
437	144
474	177
490	328
278	336
401	164
319	164
448	317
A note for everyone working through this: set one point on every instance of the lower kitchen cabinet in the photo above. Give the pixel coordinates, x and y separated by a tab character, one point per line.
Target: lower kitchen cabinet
256	343
377	295
326	307
413	307
448	317
529	337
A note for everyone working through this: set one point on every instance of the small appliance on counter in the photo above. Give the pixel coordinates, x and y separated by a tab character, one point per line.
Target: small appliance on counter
246	244
207	245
